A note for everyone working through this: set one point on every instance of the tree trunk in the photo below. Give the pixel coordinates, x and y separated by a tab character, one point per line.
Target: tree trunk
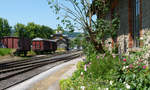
98	46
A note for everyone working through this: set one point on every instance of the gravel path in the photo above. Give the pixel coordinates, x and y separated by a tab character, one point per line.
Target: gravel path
49	80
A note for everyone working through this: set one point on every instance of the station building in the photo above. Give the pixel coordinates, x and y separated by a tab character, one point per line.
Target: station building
134	18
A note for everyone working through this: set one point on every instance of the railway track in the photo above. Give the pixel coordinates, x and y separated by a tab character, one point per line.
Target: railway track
7	64
11	72
37	58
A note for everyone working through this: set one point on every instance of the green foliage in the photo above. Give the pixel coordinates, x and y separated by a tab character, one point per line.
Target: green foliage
65	84
102	29
33	30
31	53
77	42
59	29
106	29
107	71
5	51
80	65
72	16
96	75
20	30
45	32
115	24
5	29
88	48
101	5
136	74
133	75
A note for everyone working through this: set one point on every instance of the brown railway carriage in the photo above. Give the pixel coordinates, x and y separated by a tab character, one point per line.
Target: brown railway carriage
10	42
42	45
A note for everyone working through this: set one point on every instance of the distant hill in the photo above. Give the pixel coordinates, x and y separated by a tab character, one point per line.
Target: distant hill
71	35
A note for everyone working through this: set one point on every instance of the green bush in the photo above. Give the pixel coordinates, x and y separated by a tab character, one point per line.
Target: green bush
101	71
133	75
5	51
65	84
106	71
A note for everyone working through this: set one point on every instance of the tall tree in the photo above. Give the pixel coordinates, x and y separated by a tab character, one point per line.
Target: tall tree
20	30
46	32
33	29
36	30
5	29
78	14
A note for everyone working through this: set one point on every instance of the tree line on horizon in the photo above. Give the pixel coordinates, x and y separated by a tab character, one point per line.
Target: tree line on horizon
31	30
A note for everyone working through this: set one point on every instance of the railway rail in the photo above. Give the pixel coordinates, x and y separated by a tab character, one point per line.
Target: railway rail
14	72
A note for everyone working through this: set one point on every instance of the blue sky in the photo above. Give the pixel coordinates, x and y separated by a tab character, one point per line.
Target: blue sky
24	11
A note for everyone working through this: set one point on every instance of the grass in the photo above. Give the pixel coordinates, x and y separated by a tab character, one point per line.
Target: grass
60	50
5	51
31	53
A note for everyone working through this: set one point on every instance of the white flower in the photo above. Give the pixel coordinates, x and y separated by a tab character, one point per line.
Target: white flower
85	68
106	89
99	88
81	73
127	53
111	82
127	66
148	37
146	42
148	51
127	86
147	55
82	87
141	38
123	68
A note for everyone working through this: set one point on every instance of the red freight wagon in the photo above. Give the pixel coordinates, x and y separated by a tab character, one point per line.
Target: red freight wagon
10	42
39	45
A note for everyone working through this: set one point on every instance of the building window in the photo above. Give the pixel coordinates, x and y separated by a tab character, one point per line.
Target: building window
136	23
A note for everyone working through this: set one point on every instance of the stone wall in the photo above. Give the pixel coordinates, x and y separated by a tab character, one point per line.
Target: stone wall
146	45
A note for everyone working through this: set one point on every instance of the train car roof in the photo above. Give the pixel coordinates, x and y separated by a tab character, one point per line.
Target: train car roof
10	37
41	39
38	39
